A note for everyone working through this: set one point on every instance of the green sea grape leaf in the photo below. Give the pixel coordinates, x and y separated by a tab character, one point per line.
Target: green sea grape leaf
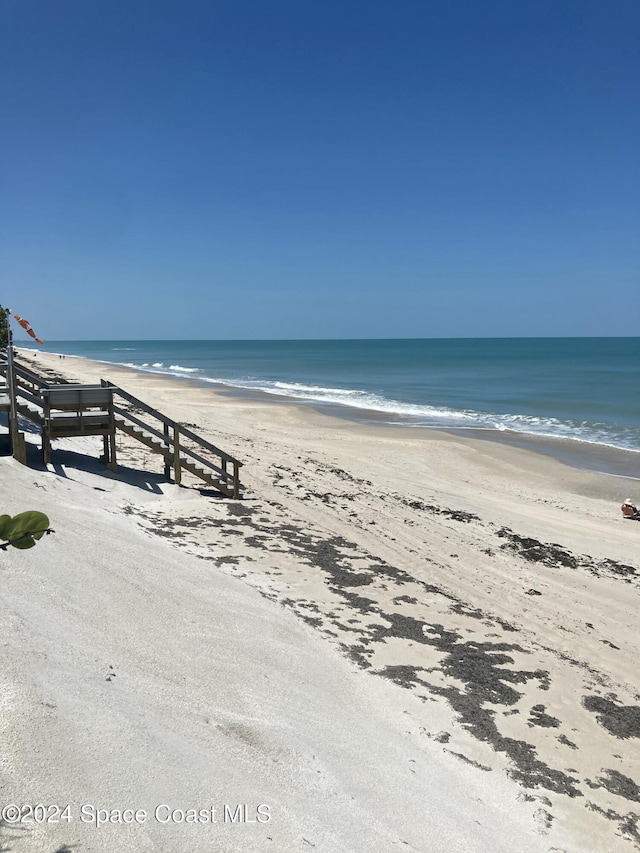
24	543
5	524
24	529
32	523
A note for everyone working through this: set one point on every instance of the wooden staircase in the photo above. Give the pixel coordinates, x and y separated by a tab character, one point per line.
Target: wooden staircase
181	448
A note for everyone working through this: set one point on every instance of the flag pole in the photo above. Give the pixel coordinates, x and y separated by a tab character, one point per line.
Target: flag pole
13	411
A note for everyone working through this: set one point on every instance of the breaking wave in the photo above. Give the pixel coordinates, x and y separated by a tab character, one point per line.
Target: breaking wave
414	415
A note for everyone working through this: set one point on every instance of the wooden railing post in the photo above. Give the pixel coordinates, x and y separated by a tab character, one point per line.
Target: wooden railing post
20	449
46	425
113	465
13	404
236	480
177	465
167	464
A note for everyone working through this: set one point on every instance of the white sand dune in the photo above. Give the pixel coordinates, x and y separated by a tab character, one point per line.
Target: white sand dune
134	676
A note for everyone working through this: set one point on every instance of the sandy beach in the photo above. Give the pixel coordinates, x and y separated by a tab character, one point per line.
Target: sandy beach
398	640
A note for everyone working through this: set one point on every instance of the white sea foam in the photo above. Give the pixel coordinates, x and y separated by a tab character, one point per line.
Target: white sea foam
353	398
416	416
159	367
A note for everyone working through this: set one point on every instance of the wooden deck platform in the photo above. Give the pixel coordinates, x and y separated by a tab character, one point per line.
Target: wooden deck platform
70	410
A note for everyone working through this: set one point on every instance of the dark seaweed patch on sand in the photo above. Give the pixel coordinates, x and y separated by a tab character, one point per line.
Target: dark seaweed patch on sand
554	556
406	598
535	551
403	674
627	824
454	514
468	760
623	721
481	668
619	784
480	675
538	717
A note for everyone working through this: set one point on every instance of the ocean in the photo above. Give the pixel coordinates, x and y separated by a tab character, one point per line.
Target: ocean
583	389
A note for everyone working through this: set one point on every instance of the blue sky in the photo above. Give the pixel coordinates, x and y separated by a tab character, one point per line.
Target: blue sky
295	169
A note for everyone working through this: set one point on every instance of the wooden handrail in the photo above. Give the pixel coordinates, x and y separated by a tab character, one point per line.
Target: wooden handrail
177	461
138	403
170	443
30	377
232	480
224	475
125	414
207	445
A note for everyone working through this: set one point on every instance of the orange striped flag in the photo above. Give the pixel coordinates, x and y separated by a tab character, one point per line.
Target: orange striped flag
26	325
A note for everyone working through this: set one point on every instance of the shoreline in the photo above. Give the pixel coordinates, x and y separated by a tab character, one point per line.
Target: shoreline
492	585
581	454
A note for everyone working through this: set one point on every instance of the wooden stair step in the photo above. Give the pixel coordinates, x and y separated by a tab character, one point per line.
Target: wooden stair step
210	477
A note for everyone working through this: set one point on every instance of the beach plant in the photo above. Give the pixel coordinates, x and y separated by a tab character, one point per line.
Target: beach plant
23	530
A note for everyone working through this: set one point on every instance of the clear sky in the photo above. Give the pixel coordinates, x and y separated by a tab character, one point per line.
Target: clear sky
299	169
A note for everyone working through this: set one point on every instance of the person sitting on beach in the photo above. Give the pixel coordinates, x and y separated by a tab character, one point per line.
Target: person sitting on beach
630	510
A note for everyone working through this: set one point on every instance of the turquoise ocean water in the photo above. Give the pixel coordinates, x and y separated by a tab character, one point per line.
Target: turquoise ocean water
585	389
